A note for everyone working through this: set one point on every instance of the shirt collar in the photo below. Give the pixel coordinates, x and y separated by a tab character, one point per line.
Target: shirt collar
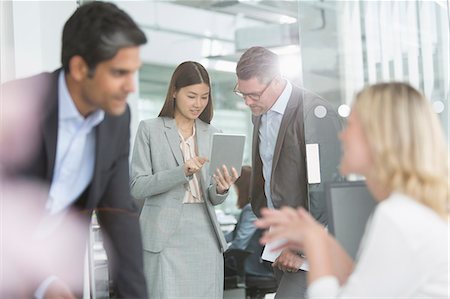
67	109
281	103
190	138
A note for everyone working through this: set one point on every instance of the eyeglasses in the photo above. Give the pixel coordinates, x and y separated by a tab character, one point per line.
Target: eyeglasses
253	96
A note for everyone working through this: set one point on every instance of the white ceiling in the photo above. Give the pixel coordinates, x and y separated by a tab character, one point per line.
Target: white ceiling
213	31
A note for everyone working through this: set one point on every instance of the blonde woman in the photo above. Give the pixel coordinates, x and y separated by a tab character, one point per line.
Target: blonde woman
394	139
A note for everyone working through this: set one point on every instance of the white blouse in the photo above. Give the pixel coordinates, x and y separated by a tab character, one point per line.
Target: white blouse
404	254
193	192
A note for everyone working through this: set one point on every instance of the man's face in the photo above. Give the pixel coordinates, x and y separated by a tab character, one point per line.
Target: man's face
111	82
256	95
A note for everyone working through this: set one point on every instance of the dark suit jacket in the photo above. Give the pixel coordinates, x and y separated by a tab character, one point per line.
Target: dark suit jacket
108	193
299	126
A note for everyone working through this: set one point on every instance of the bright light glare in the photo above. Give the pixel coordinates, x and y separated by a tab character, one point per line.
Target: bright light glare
344	110
290	65
320	111
292	49
287	20
220	65
438	106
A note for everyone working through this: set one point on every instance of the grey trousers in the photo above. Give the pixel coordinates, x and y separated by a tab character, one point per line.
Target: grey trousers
291	285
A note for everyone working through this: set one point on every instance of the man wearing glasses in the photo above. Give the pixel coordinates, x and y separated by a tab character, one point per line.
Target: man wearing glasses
281	112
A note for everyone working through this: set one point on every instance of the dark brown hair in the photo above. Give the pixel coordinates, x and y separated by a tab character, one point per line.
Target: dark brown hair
260	63
187	73
243	186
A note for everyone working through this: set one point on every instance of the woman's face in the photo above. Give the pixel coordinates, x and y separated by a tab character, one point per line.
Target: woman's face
356	157
191	100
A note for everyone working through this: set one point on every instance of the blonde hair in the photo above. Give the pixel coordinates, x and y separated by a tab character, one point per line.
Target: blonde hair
407	143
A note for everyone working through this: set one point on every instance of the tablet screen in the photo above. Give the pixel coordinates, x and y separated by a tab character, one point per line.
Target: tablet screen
226	149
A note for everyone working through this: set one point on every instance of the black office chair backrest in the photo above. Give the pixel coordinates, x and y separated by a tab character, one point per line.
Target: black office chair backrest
246	269
349	206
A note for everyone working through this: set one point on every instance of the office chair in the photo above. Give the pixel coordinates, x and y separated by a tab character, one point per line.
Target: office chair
250	272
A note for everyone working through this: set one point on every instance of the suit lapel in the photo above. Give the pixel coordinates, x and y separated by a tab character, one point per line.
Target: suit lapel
50	129
201	130
255	144
171	132
202	141
288	116
102	132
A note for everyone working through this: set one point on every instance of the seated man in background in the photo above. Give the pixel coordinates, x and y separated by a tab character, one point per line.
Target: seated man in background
244	234
244	230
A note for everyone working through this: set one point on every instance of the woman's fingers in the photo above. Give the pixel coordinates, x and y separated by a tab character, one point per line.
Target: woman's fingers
271	217
235	174
195	164
285	223
202	160
292	239
223	178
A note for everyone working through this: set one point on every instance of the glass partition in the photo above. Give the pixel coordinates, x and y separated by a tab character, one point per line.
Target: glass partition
331	48
356	43
364	42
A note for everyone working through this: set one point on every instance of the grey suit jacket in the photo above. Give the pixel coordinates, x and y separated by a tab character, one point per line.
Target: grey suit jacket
157	175
299	126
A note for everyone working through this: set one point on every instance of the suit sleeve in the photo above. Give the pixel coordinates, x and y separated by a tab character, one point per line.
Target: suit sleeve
214	197
118	218
144	181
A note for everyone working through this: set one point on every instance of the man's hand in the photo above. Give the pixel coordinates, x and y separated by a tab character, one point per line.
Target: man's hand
58	289
288	261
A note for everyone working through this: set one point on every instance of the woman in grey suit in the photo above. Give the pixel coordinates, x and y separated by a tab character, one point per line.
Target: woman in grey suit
182	240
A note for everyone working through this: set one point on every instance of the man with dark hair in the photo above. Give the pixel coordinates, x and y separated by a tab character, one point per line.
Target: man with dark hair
84	139
285	119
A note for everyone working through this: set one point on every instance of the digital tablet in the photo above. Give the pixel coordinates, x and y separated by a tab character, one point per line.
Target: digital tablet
226	149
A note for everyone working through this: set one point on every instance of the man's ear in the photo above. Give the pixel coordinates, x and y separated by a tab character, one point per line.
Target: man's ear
79	69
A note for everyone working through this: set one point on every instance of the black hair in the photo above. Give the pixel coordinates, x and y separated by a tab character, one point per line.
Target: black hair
187	73
96	31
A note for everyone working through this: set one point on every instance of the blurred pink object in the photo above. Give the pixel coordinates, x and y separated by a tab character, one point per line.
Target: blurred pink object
28	254
20	118
33	245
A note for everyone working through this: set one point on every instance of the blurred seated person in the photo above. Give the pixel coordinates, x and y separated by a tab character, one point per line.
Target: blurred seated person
244	230
245	235
395	140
